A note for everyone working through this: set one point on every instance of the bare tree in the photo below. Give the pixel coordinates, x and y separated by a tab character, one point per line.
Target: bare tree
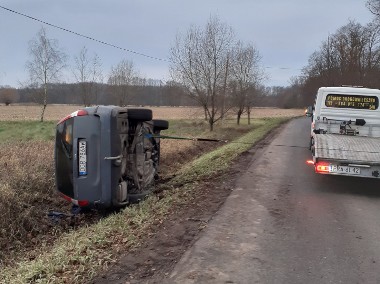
8	95
96	77
82	73
87	73
121	80
245	75
199	61
46	63
374	7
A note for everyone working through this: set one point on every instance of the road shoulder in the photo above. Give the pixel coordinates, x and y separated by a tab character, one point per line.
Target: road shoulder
163	248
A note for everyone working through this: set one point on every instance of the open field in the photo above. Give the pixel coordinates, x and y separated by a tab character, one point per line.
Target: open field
56	112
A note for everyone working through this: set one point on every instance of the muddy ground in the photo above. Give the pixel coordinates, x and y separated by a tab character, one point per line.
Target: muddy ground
162	250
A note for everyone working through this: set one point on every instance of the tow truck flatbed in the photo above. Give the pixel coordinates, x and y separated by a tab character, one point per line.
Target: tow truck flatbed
347	149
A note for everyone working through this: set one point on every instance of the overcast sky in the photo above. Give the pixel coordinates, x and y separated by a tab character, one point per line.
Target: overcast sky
285	32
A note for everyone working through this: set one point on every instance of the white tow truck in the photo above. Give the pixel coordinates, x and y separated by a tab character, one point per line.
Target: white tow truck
345	132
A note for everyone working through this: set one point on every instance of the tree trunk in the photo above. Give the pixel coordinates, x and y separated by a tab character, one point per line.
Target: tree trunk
44	103
239	114
249	114
42	113
224	90
211	123
238	118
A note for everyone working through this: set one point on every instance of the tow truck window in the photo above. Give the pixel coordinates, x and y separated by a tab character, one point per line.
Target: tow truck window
352	101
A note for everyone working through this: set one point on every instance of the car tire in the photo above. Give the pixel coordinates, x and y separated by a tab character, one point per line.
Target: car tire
159	124
140	114
311	143
137	197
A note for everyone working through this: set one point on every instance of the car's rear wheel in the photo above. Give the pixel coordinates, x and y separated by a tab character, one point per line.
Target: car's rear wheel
137	197
159	124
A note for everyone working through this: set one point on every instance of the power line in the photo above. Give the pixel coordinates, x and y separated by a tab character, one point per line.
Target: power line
112	45
281	68
82	35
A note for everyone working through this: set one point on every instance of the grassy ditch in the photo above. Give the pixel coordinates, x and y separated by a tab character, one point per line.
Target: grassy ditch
76	256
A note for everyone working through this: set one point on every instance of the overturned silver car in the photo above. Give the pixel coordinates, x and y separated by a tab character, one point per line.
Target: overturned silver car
107	156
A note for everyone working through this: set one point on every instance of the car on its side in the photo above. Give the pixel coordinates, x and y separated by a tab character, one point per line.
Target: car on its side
107	156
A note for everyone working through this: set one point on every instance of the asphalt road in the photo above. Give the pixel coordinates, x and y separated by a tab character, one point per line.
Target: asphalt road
285	224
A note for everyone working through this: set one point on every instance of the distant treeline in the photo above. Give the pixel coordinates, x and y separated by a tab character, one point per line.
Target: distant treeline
103	94
165	95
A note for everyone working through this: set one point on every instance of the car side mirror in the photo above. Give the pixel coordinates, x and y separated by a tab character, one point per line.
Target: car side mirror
309	111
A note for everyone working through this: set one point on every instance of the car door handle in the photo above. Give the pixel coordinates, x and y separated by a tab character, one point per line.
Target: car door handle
113	158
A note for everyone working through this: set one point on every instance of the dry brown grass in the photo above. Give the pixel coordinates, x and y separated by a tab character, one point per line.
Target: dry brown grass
26	195
56	112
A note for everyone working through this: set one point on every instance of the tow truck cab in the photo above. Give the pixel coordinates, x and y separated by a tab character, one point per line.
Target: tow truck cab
338	109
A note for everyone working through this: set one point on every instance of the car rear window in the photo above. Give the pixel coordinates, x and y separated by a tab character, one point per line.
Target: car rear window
352	101
65	134
63	157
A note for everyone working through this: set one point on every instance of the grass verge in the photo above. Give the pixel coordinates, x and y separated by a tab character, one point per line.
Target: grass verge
217	161
26	130
79	255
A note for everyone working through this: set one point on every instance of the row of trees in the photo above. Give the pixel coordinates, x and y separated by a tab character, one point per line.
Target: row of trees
209	64
350	56
47	62
212	67
222	73
149	94
143	95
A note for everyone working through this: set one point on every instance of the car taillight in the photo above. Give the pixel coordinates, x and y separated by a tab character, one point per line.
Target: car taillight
80	112
322	167
83	203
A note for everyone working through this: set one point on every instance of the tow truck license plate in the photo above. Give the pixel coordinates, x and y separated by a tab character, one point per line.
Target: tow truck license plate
344	170
82	157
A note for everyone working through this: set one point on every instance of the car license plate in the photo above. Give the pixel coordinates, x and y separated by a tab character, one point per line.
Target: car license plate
344	170
82	158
